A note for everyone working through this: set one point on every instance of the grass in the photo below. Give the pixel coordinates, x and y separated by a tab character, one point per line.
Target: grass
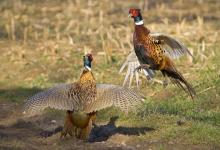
42	43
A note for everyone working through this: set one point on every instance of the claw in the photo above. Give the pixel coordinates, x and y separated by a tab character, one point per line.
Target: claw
137	69
68	129
63	134
143	66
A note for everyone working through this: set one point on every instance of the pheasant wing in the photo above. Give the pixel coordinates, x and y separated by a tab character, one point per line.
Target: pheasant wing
114	95
132	63
130	58
172	47
57	97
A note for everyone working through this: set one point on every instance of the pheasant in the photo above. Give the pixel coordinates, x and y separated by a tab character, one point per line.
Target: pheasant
150	49
82	100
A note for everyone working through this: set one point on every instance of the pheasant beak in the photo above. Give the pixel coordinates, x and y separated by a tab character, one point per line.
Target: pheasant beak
129	16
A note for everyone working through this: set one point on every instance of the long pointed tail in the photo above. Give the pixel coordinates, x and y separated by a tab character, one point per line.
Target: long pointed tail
176	78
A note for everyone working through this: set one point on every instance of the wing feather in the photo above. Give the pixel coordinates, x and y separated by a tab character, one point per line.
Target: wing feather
172	47
58	98
114	95
132	63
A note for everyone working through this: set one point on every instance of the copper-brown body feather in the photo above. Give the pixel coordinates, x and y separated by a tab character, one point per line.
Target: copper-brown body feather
84	89
149	51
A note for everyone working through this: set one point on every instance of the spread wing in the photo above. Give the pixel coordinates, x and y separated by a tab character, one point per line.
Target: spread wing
173	48
132	63
55	97
114	95
58	98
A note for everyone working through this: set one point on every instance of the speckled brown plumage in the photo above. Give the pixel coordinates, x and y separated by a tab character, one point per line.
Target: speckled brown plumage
151	51
152	54
84	90
82	99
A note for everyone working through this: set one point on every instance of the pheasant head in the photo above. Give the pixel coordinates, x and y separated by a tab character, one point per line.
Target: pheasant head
87	75
136	14
87	60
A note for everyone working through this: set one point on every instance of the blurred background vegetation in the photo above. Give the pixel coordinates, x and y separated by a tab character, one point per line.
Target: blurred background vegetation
42	43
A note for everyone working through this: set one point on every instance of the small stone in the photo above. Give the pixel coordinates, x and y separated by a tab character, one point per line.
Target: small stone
53	121
123	143
138	145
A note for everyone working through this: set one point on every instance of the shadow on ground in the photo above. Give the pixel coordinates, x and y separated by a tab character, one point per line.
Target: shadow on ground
104	132
40	131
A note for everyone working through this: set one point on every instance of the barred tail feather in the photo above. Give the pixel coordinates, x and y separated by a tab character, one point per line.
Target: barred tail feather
176	78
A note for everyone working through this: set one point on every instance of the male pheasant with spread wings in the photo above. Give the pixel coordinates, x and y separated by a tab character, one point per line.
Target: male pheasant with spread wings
152	53
82	100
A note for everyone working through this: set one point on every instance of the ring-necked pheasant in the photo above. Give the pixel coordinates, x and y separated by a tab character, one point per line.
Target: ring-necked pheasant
82	99
152	52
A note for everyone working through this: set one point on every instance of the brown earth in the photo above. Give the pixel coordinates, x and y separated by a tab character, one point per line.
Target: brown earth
43	132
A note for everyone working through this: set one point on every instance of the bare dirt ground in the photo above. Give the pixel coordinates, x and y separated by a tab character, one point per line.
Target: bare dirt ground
44	133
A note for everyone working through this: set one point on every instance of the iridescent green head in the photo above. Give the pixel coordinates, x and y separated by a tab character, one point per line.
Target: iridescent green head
87	60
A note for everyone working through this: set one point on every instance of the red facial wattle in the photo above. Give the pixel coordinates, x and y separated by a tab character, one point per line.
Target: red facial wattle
134	12
90	57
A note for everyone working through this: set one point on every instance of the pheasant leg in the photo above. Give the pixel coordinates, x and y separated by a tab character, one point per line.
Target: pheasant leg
86	130
142	66
68	128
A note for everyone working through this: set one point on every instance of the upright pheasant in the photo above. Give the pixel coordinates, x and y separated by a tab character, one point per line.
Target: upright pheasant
153	54
82	99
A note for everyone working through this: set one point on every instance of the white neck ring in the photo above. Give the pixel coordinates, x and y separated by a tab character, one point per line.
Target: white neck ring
88	68
139	22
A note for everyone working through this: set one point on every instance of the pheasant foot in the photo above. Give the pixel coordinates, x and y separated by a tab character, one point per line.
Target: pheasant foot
142	66
68	128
